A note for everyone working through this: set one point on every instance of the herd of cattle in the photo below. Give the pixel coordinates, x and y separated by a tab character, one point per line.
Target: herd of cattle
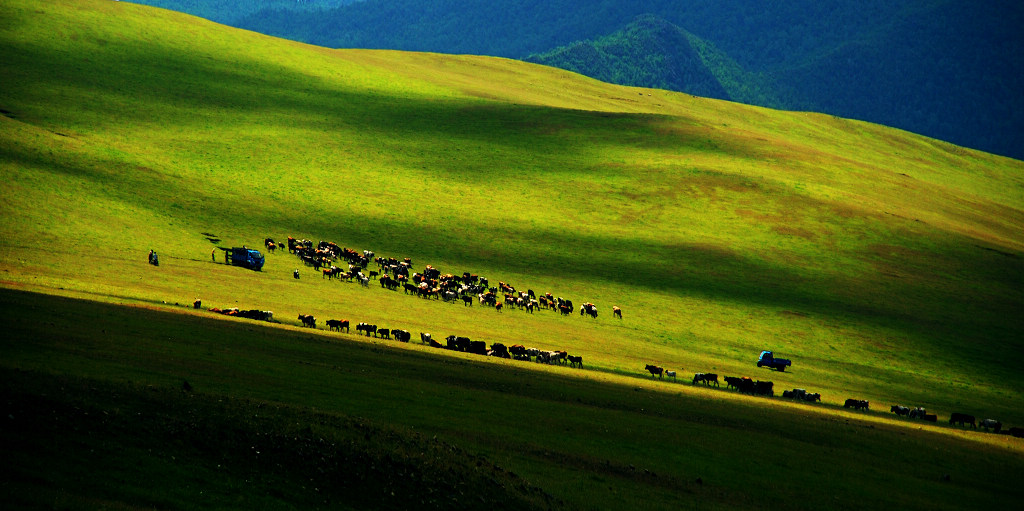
452	342
748	385
341	263
468	288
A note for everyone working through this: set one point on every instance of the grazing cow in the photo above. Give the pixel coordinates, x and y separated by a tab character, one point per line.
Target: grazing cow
589	309
617	312
575	361
916	413
367	329
899	410
519	352
559	357
401	335
706	378
307	320
477	348
337	324
992	424
499	350
733	382
467	300
764	388
962	419
671	374
812	397
856	404
425	338
655	370
384	333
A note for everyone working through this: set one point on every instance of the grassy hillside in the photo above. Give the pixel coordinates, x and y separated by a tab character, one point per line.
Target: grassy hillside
887	265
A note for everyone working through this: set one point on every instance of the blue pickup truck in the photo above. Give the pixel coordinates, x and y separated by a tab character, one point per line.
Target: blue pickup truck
767	359
244	257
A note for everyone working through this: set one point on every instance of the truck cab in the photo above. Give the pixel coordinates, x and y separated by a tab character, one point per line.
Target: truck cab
767	359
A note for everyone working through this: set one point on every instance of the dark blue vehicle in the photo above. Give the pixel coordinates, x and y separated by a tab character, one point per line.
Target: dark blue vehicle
768	359
245	257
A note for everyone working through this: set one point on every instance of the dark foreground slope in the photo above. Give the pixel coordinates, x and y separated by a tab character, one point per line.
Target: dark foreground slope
98	414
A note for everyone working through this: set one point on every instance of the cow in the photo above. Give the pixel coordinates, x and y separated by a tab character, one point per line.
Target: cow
307	320
337	324
401	335
812	397
655	370
616	311
559	357
733	382
499	350
856	404
899	410
425	338
384	333
575	361
588	309
497	306
962	419
992	424
519	352
705	378
477	347
367	329
764	388
916	413
670	374
1017	432
467	300
930	417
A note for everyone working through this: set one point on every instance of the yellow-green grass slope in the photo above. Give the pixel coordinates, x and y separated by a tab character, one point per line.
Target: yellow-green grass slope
886	265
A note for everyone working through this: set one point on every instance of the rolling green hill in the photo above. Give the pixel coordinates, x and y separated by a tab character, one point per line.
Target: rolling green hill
885	264
947	69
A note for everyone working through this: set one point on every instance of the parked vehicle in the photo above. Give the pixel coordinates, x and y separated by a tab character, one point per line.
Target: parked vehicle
768	359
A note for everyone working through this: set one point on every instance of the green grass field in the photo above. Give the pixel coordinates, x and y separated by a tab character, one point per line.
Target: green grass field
888	266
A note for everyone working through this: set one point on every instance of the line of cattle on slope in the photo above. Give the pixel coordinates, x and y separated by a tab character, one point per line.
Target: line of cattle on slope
393	273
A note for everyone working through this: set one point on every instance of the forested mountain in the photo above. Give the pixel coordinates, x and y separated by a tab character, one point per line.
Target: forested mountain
651	52
949	69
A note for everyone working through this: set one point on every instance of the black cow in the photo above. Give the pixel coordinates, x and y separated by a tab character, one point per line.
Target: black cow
575	361
899	410
337	324
856	404
655	370
401	335
367	329
992	424
307	320
764	388
499	350
477	347
962	419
